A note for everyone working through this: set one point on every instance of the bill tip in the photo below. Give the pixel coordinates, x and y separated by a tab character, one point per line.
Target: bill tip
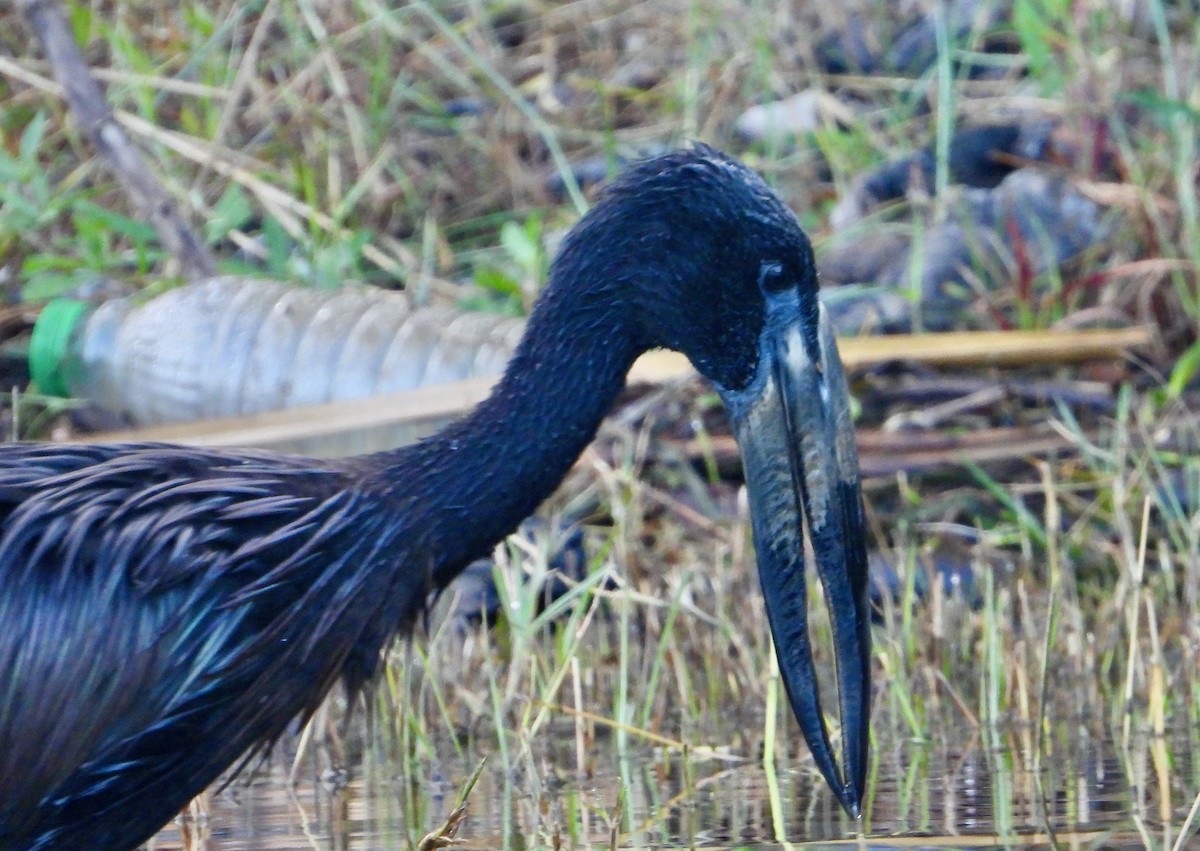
851	801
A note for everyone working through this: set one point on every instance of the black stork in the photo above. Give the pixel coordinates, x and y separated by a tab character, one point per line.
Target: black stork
165	611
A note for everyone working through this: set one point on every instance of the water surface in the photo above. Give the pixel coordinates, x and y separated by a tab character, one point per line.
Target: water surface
956	792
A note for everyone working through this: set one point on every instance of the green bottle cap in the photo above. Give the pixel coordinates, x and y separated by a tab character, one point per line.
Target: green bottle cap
50	344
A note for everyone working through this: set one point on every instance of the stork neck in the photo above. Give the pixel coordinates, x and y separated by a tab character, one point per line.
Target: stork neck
473	483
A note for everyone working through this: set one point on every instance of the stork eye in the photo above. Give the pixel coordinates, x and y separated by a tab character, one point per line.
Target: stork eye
771	278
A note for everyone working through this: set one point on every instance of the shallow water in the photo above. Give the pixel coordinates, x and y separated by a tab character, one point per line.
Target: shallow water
950	794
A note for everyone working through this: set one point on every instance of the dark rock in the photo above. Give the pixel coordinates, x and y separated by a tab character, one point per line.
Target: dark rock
978	156
1030	224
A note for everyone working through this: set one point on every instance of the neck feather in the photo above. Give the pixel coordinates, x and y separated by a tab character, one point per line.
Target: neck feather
464	489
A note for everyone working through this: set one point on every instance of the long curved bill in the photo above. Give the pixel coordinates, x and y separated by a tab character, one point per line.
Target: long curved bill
796	438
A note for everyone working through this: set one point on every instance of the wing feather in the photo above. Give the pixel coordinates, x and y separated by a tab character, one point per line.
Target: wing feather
162	596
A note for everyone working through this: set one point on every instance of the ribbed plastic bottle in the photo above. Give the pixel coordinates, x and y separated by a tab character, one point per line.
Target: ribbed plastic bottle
229	346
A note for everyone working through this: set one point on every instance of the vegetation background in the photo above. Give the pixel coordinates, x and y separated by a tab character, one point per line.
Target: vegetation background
444	146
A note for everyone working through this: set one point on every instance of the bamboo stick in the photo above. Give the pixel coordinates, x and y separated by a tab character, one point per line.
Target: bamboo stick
994	348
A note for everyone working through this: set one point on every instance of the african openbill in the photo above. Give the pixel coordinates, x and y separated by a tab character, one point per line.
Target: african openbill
166	610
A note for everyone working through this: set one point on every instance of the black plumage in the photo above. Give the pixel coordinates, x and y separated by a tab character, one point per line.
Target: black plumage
165	611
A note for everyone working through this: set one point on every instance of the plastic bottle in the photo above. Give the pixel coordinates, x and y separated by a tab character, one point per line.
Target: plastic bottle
230	346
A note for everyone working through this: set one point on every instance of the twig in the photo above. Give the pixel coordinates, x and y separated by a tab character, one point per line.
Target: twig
883	454
931	389
95	117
